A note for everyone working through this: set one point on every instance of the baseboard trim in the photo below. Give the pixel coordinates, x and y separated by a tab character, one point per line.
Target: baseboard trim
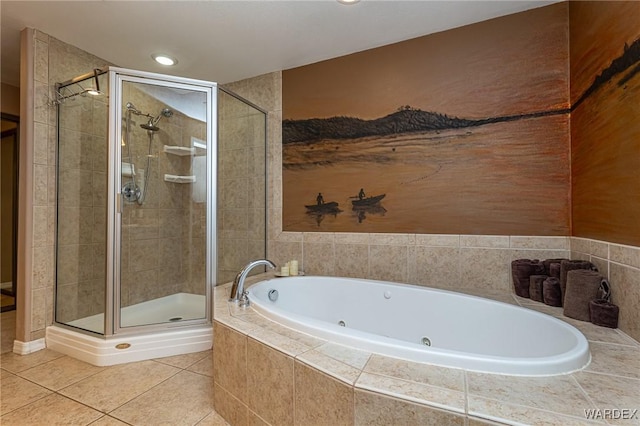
25	348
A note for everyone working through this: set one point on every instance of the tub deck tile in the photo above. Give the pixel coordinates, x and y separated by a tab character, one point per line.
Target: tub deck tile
280	342
619	360
595	333
244	327
434	396
560	394
450	378
612	380
354	357
305	339
608	392
496	410
330	366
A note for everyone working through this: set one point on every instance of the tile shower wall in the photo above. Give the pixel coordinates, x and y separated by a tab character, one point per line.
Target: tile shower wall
241	186
163	240
53	61
82	206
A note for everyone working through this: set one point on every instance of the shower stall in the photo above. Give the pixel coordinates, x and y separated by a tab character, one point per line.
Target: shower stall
137	232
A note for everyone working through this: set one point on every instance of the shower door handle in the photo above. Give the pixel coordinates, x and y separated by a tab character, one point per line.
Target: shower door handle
119	202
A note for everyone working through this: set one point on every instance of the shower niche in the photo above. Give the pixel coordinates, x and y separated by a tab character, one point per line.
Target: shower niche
136	214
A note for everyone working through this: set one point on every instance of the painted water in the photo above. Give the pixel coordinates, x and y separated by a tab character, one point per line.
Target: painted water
503	178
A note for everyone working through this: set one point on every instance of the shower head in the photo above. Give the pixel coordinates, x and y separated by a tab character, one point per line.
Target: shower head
150	127
164	113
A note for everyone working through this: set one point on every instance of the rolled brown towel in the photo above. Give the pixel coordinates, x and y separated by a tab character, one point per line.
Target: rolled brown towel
548	262
570	265
521	270
535	287
604	313
554	270
582	288
551	292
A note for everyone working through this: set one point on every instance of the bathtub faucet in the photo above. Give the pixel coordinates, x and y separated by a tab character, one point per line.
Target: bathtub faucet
238	294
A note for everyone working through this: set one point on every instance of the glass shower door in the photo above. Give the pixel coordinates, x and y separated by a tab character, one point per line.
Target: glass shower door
81	220
164	226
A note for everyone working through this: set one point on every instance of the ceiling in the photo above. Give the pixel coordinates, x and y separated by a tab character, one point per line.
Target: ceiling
227	41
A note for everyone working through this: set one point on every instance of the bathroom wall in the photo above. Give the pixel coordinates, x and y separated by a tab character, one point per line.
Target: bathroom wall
605	146
241	185
605	130
47	61
465	131
440	260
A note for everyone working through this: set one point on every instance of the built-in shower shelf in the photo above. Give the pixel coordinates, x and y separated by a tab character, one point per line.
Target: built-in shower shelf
179	150
180	179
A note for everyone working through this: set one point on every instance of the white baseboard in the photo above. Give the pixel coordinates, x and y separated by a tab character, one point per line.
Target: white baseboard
119	350
25	348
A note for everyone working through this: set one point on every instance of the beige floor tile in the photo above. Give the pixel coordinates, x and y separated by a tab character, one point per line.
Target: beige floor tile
184	361
213	419
51	410
108	421
60	372
184	399
16	392
17	363
204	366
117	385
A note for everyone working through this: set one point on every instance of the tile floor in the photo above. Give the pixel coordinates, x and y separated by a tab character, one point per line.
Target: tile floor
48	388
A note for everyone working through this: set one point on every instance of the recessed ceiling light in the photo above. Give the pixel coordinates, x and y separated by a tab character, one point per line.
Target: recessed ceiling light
348	1
164	59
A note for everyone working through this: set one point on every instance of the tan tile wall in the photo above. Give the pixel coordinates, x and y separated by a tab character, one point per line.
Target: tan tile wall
54	61
241	186
256	384
163	240
621	265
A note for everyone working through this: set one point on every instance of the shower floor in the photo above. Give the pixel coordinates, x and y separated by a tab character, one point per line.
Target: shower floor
173	308
132	347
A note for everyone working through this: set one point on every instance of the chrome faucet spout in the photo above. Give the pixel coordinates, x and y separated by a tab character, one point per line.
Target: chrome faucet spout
238	293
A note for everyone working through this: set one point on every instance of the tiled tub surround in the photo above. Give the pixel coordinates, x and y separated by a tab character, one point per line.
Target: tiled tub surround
621	265
265	373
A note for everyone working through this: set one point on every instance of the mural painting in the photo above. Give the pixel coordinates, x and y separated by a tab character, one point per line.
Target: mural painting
460	132
605	130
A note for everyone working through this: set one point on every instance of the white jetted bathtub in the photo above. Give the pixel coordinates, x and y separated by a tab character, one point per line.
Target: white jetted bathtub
424	324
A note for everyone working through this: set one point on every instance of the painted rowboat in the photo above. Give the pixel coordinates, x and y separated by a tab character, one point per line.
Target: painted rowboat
329	207
369	201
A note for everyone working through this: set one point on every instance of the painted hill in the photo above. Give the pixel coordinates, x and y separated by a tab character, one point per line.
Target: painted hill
404	120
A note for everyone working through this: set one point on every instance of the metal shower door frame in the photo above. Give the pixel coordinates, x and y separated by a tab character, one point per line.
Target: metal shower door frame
117	76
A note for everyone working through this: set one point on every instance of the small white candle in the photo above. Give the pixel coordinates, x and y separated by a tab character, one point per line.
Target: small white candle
293	267
284	271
